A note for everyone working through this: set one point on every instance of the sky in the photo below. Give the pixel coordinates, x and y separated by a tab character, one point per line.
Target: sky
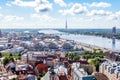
54	13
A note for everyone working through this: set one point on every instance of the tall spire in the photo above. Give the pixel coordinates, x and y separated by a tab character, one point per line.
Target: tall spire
66	24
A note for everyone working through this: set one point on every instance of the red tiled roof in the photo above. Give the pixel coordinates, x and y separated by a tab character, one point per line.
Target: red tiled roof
82	62
101	76
63	78
42	67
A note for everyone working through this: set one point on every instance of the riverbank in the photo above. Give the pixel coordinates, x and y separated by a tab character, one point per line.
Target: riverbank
89	47
106	33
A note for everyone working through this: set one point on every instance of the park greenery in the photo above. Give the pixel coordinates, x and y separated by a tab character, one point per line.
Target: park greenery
93	57
72	56
7	57
86	55
96	62
95	32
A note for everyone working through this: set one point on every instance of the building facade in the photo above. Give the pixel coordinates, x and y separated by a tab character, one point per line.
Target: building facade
111	70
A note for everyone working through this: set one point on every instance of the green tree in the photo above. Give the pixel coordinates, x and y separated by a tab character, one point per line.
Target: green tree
14	79
0	54
38	78
43	73
96	62
19	56
5	60
11	59
10	55
76	57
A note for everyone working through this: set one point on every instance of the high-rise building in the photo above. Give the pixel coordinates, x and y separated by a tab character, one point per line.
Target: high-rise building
114	31
66	25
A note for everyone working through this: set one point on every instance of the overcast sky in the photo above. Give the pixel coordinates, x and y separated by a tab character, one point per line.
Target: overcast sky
53	13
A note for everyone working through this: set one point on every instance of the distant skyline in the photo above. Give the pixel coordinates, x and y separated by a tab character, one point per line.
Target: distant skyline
53	13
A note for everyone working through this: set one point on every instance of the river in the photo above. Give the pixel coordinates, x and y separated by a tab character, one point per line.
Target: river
112	44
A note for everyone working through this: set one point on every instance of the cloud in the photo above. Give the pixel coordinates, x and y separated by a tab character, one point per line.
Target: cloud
43	17
61	3
38	5
13	18
114	16
43	8
1	15
94	19
24	3
8	4
99	13
0	7
118	13
99	4
75	9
